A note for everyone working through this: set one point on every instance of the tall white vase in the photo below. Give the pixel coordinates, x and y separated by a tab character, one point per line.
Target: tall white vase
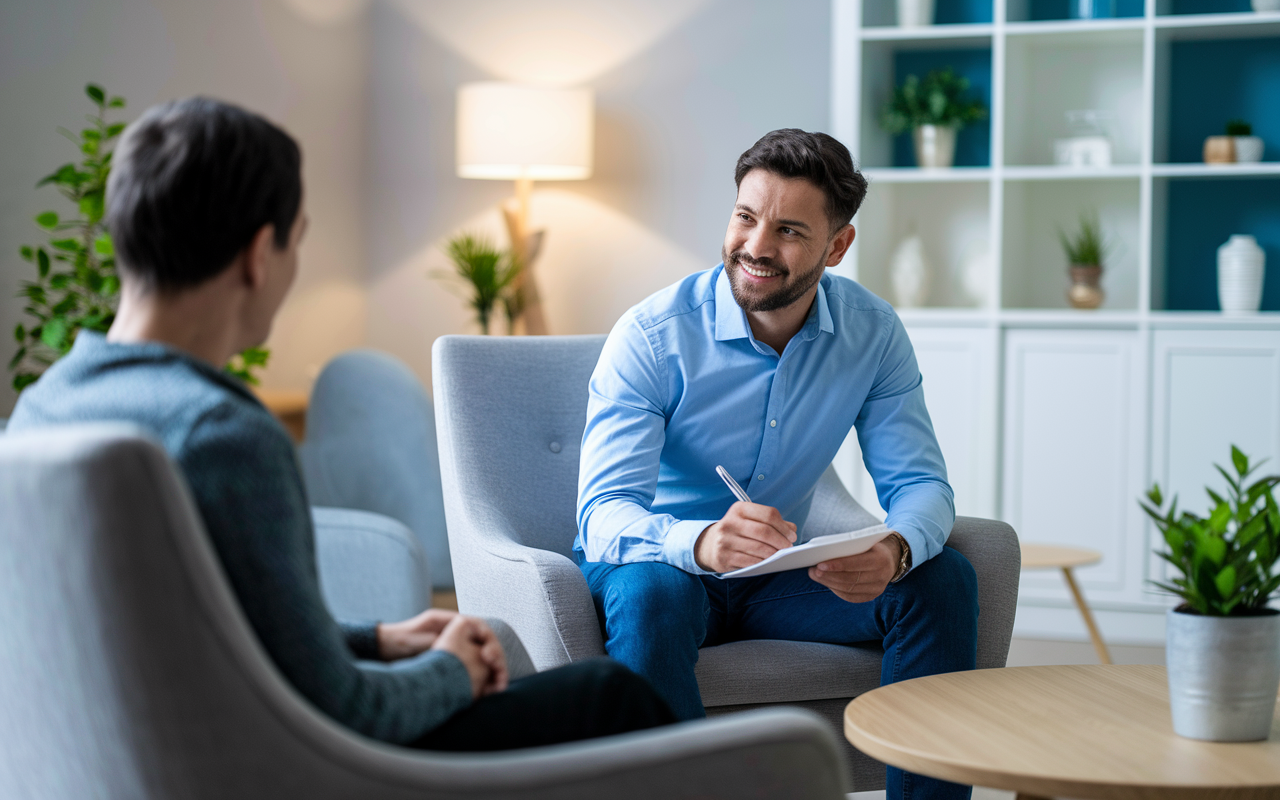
1241	268
909	273
915	13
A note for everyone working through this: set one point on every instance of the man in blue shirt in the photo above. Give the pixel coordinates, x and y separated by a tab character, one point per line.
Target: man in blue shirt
764	364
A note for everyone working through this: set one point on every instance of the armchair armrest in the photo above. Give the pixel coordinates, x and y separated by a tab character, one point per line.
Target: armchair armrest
371	567
992	548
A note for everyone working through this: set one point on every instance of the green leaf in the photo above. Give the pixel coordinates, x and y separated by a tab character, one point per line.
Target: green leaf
103	245
1219	518
1213	549
24	379
91	205
42	262
96	94
1239	460
91	133
17	358
20	333
1226	581
116	102
47	220
1154	495
69	245
110	286
27	253
54	333
114	130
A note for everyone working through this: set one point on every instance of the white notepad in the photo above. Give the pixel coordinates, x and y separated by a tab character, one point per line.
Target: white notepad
822	548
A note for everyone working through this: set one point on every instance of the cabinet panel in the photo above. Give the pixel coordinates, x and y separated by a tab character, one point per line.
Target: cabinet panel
1212	389
1070	475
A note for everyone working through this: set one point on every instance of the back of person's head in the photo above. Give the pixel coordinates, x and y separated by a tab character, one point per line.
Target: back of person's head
816	157
192	182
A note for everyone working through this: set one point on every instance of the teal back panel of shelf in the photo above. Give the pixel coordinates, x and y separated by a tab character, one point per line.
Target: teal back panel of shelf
1068	9
1218	80
949	12
973	143
1203	214
1209	6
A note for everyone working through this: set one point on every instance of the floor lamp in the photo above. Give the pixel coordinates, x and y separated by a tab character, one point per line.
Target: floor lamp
507	131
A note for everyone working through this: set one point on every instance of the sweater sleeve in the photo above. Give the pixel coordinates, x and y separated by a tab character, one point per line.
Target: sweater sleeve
244	477
361	639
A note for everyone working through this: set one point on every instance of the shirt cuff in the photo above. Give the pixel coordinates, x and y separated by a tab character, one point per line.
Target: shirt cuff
362	640
455	681
677	546
916	541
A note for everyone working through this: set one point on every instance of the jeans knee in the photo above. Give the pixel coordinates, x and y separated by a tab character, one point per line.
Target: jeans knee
946	585
655	592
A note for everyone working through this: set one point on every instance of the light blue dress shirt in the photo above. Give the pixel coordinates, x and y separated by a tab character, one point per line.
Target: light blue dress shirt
682	385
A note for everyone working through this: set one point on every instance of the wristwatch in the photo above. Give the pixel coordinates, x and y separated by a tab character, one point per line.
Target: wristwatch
904	563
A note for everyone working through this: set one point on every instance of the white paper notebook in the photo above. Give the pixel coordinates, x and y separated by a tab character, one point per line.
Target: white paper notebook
821	548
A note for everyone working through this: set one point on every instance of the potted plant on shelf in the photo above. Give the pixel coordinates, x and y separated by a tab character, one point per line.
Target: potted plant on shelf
1085	251
1237	146
1223	641
489	274
933	110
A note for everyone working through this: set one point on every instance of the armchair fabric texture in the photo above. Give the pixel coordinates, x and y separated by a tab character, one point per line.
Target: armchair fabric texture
371	446
510	414
127	670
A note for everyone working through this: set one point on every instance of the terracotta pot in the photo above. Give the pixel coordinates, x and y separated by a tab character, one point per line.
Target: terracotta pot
1085	291
1220	150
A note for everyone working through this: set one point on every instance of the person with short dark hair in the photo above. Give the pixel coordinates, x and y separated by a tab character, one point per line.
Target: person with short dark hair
764	364
205	207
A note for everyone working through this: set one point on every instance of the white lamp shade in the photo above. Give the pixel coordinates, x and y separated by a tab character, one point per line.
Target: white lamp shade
508	131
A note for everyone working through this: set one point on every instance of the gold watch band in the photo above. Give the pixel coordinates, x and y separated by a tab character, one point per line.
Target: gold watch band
904	563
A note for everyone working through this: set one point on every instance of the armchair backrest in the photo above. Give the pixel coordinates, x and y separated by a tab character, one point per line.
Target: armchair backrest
511	412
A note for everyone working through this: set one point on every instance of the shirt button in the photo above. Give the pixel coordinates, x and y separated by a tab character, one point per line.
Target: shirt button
773	423
760	477
555	447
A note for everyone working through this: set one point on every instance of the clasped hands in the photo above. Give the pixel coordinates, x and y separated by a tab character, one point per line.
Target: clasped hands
749	533
470	639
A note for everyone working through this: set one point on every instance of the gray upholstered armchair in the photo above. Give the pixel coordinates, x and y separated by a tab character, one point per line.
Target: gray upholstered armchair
510	414
128	671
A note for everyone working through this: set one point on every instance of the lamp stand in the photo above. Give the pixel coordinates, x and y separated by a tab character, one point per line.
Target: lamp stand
526	245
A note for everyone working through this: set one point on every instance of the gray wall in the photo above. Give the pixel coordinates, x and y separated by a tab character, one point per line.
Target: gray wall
683	86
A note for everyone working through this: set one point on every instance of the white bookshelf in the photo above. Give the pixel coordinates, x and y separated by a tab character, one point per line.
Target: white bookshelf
1052	418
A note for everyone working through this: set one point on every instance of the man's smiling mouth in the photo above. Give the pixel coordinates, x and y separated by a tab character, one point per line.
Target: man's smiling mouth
759	273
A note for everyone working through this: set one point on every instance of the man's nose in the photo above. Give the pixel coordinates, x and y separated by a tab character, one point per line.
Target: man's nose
760	243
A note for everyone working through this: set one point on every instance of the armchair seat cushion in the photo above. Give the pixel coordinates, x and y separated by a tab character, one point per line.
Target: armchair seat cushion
774	671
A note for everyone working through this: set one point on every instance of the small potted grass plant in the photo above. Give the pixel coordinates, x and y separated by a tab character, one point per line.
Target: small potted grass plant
933	110
1085	250
1223	640
490	276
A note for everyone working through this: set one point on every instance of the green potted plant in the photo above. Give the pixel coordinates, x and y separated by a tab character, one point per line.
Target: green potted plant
1223	640
75	286
1085	250
933	110
489	274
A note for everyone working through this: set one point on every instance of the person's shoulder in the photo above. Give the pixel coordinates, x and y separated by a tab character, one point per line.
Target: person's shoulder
682	298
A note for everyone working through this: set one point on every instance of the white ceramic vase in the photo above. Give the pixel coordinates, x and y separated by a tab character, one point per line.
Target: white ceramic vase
910	273
1241	269
935	146
915	13
1249	148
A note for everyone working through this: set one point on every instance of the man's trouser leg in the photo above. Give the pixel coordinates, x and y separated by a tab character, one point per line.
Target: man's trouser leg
654	617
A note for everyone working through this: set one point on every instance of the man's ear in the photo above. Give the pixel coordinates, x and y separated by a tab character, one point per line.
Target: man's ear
840	245
257	256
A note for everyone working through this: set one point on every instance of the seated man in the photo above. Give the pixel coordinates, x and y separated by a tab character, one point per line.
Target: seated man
205	207
763	364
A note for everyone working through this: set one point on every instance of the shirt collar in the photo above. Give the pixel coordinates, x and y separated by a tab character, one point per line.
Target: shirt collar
731	320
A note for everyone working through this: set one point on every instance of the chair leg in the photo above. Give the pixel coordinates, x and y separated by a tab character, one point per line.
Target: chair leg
1104	656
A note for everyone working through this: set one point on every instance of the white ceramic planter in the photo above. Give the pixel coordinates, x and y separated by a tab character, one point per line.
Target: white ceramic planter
1223	675
1249	148
915	13
1241	270
935	146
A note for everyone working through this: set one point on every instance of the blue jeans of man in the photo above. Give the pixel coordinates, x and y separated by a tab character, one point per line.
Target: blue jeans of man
654	617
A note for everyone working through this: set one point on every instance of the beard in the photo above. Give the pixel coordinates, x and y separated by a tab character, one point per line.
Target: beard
790	288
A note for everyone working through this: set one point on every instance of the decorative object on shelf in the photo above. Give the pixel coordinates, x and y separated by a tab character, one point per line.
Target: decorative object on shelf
933	110
1248	148
915	13
1220	150
1085	251
1266	5
1092	9
76	287
490	275
1241	269
910	273
1223	647
1088	146
507	131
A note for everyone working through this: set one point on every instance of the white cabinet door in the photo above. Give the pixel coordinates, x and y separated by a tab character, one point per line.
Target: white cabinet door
1212	389
959	372
1072	444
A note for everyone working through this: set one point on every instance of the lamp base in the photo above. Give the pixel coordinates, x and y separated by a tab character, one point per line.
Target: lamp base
526	245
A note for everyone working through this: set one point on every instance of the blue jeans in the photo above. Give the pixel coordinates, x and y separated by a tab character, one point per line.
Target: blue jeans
655	617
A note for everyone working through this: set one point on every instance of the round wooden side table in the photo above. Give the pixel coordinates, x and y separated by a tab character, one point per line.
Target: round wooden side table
1099	732
1053	556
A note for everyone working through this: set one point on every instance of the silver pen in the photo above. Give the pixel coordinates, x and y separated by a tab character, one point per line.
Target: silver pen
737	490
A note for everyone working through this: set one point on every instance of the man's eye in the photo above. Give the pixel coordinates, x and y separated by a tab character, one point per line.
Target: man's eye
744	217
789	231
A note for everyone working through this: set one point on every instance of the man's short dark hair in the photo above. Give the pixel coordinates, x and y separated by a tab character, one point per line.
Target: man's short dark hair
192	182
816	157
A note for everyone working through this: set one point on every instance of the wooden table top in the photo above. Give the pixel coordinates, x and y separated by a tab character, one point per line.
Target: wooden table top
1077	731
1045	556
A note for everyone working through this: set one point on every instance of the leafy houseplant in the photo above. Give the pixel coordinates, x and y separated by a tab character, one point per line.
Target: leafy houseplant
76	286
1223	648
1085	251
490	275
933	110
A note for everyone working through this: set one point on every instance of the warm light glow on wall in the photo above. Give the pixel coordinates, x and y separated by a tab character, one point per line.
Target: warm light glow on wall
507	132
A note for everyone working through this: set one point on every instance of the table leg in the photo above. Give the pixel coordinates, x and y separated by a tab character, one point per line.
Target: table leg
1103	655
